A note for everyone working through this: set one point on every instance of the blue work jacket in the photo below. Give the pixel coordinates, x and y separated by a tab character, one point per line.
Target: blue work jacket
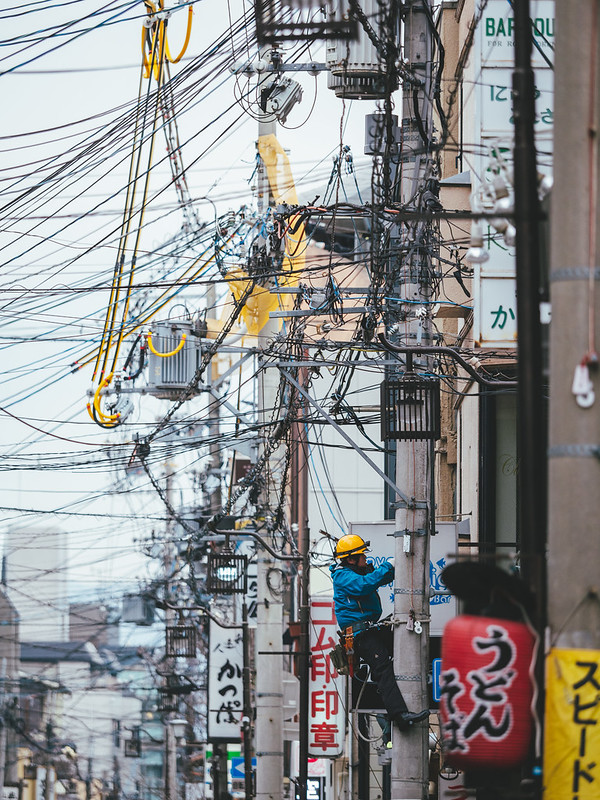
355	596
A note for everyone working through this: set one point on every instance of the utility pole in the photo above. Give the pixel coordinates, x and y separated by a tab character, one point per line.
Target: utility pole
269	623
170	771
2	721
409	769
531	417
574	431
215	505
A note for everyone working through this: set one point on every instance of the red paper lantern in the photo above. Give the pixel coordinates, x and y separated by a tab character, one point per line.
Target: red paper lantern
486	692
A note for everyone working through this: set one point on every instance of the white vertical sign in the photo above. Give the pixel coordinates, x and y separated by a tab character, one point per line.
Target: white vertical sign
247	547
225	683
327	690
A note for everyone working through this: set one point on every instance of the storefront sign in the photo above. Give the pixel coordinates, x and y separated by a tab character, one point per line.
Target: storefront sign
327	690
572	736
225	683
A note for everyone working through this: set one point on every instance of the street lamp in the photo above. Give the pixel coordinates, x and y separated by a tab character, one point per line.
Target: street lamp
227	573
410	408
178	726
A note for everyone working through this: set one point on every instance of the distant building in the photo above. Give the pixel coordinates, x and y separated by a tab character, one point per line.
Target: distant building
73	696
35	570
91	622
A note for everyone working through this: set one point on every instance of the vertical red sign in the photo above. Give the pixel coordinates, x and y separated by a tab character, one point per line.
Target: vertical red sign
327	695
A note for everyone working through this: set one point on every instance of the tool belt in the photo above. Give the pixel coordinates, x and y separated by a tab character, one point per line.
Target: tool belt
342	655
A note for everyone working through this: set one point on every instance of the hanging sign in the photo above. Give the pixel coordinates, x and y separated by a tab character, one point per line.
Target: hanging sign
327	689
572	720
225	683
486	692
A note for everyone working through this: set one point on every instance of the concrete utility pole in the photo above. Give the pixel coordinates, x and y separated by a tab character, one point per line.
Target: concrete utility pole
574	446
269	623
219	769
170	770
409	770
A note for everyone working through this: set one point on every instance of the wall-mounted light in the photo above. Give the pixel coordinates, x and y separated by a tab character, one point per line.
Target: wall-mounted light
477	252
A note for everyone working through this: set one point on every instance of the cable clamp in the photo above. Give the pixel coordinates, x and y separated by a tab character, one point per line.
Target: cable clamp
574	274
574	451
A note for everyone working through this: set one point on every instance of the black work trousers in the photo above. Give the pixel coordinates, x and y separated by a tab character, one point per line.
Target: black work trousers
376	647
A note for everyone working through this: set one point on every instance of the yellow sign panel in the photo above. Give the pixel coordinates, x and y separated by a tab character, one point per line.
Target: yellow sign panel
572	730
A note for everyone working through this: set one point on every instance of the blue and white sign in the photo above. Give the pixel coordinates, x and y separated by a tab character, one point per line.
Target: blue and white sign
237	767
442	545
436	669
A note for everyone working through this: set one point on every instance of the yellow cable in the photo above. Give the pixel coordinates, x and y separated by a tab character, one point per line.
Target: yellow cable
188	33
140	225
90	356
164	355
96	403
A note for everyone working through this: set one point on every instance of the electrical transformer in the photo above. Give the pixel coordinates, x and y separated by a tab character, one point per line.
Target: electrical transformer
174	353
356	70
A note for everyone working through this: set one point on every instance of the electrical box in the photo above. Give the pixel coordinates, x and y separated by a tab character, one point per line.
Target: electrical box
138	608
171	364
375	134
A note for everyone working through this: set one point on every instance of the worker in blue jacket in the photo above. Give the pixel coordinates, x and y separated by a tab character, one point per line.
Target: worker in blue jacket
358	610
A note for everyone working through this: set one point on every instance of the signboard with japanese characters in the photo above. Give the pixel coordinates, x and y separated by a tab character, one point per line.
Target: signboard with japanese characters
572	725
494	283
497	33
225	683
495	310
248	548
497	101
443	544
327	689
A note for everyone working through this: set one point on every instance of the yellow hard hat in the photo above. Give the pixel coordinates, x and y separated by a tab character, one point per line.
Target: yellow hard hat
350	545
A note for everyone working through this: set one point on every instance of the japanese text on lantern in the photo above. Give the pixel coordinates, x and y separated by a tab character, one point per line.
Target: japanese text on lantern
491	711
327	691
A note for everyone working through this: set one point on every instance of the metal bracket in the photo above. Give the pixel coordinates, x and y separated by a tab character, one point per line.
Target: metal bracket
574	274
419	532
234	368
412	503
407	677
232	409
408	591
574	451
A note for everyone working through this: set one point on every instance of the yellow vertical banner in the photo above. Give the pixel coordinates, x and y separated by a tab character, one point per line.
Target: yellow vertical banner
572	725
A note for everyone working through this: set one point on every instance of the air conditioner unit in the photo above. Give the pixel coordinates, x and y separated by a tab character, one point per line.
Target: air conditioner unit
174	355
